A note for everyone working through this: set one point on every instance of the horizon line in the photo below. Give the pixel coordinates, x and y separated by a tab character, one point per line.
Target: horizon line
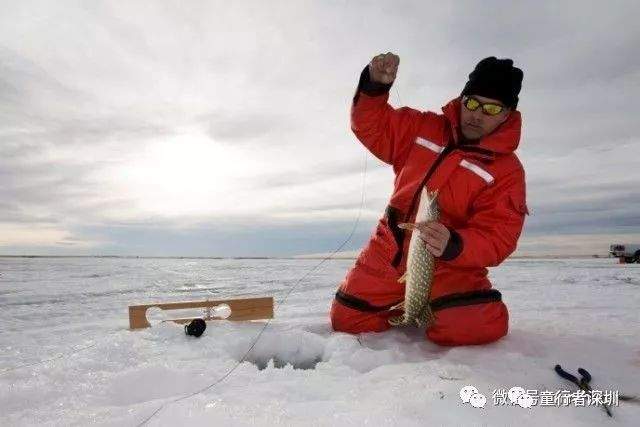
278	257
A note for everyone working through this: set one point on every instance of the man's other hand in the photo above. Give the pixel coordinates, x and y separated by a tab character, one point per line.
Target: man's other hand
434	234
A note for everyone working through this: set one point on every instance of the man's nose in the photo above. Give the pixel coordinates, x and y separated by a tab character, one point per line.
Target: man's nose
477	116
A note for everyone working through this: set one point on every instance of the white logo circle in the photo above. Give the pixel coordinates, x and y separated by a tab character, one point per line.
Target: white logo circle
478	400
525	401
514	393
466	392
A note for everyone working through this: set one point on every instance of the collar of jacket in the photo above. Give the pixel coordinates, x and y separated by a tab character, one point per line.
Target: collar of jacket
503	140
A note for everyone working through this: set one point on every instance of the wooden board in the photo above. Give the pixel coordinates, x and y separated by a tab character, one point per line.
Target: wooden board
241	309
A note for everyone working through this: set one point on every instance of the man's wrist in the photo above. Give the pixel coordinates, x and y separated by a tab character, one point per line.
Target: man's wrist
369	87
453	248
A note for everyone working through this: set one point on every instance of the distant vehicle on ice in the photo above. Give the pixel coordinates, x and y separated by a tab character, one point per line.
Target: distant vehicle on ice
626	252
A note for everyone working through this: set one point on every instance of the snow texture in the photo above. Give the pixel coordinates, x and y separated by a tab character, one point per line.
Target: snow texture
72	313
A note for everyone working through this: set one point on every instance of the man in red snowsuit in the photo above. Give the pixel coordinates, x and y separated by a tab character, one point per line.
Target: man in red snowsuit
467	154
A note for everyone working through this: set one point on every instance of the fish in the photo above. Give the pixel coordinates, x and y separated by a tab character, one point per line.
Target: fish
418	277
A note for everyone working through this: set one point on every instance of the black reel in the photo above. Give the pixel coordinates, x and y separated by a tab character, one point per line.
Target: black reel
195	328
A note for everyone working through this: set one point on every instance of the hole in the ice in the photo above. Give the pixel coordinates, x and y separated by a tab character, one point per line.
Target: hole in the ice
279	362
284	349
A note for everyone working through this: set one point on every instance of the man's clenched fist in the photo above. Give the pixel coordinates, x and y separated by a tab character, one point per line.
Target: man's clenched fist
384	67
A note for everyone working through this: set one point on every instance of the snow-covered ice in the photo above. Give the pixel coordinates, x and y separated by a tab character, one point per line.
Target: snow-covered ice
72	313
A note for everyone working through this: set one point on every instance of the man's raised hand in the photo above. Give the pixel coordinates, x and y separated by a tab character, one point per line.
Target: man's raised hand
384	67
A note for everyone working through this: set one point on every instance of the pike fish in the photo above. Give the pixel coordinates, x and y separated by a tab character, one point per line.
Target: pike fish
420	269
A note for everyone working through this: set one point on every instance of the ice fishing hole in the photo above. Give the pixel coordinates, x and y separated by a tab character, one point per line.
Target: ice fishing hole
300	350
279	362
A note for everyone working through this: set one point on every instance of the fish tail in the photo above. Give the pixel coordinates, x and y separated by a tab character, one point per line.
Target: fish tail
397	321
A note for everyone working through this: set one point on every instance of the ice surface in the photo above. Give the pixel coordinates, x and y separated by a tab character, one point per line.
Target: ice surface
72	312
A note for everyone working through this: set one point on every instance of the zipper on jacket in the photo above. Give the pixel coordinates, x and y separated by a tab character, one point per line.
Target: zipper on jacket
446	151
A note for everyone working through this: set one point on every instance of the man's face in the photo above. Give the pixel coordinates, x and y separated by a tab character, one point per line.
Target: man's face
477	124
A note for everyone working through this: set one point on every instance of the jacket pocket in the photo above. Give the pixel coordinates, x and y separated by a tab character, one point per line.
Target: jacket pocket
379	252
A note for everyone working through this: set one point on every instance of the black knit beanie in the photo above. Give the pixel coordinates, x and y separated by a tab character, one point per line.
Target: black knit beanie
497	79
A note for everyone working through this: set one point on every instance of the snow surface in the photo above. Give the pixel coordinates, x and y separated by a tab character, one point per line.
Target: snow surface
72	312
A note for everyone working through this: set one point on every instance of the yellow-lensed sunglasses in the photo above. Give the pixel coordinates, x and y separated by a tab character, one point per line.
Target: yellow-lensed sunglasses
488	108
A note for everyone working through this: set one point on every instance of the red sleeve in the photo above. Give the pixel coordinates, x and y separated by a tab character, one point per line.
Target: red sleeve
387	133
497	217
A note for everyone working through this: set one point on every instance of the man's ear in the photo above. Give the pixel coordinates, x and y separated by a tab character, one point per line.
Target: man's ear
506	116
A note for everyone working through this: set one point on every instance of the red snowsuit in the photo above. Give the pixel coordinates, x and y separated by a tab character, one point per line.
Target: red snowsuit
482	202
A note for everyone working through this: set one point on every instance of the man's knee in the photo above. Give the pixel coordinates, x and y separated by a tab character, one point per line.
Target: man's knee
470	325
345	319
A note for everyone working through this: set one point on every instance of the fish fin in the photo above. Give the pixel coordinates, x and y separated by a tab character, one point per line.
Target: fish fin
403	278
399	306
407	226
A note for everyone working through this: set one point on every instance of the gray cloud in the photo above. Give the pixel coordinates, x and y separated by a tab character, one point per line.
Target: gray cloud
320	172
80	99
246	126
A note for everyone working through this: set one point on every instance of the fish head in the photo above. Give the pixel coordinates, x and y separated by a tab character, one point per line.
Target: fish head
428	202
433	196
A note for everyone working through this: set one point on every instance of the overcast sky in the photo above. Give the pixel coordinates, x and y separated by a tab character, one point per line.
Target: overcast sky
221	128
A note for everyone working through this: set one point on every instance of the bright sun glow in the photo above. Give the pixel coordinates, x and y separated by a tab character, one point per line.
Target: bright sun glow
188	174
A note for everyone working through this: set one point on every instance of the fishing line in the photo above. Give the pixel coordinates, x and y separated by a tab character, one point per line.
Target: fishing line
65	356
60	356
255	341
398	95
